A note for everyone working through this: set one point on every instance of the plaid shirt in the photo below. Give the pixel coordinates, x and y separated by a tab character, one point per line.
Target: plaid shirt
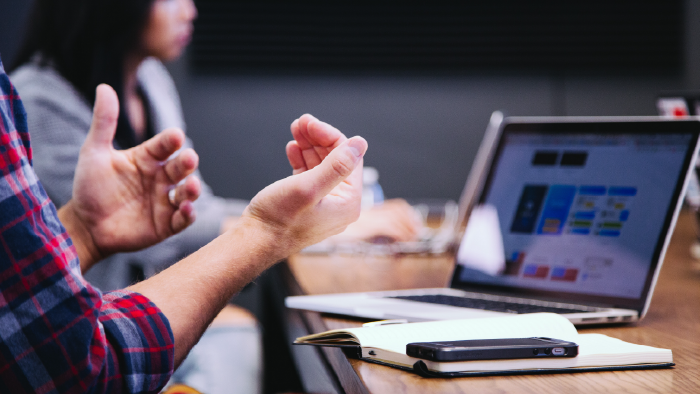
58	334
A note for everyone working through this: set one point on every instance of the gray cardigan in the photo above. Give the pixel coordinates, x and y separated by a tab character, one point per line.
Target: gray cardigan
59	118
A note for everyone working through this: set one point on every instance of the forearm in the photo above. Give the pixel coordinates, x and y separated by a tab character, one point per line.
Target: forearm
88	253
192	292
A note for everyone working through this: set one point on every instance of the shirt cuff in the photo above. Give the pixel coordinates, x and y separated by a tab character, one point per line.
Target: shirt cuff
140	334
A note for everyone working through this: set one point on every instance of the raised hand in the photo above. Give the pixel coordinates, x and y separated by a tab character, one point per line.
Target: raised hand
393	221
120	198
313	141
322	197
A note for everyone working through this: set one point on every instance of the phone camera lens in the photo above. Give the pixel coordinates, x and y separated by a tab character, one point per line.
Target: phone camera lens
535	351
547	351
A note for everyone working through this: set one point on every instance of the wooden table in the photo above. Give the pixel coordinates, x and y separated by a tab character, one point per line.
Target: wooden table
673	322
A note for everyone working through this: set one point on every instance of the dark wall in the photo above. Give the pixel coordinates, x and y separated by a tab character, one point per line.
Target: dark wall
317	37
12	15
423	131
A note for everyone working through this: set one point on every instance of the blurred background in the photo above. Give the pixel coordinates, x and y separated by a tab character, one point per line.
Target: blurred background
418	81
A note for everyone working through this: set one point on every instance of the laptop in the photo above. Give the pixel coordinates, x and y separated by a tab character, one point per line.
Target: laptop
564	215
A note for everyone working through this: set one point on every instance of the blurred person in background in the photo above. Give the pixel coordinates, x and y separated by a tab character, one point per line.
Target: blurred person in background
70	48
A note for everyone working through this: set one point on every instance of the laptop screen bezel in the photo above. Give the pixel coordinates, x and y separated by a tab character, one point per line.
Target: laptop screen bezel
560	126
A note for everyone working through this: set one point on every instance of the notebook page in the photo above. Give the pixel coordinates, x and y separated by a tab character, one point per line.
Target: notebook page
597	346
594	350
395	337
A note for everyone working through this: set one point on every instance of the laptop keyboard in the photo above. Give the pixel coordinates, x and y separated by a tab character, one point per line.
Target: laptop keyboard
490	305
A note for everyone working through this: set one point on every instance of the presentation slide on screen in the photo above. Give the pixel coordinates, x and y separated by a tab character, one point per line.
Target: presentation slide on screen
579	213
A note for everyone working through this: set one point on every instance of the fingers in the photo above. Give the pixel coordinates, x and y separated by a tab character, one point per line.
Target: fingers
397	230
104	118
310	132
184	164
400	208
187	191
405	229
296	158
336	168
183	217
164	144
298	136
185	194
321	134
404	215
315	139
394	219
311	157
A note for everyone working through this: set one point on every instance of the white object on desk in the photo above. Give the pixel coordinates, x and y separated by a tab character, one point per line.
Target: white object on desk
372	193
482	244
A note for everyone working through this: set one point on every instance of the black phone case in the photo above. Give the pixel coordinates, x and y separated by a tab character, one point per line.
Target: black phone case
492	349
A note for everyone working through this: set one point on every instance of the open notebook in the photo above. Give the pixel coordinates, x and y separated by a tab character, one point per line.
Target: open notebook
387	345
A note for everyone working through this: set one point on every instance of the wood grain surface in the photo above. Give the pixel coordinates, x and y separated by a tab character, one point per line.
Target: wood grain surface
673	322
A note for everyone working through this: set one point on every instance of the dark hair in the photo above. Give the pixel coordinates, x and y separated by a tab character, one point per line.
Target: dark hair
87	41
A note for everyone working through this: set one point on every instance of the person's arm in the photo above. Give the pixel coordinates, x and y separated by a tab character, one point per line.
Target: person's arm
318	201
59	333
120	198
392	221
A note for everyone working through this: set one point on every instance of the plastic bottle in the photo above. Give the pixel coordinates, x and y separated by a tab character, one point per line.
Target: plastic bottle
372	193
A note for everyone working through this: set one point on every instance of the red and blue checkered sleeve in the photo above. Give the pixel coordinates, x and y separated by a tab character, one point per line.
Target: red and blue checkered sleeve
58	334
139	345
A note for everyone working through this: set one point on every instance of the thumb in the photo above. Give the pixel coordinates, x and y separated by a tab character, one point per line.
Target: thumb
104	118
336	167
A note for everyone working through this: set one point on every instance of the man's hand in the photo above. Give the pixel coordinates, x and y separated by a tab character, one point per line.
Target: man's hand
319	200
120	198
393	221
313	141
322	197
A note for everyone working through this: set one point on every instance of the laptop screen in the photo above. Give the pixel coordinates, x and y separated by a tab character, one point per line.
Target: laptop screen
576	214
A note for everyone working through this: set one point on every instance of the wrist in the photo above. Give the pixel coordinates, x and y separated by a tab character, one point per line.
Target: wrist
88	252
228	223
271	242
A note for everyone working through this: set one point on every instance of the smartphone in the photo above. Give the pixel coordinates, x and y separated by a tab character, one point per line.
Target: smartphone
492	349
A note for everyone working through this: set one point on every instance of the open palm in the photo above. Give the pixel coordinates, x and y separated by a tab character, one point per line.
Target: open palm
122	196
